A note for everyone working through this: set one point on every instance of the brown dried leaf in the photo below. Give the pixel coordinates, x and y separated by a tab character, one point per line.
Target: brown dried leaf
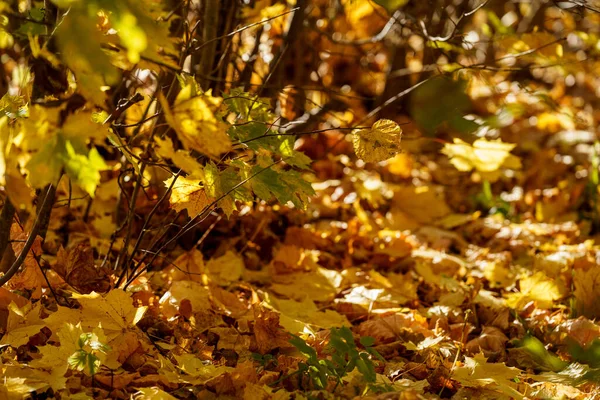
30	276
76	266
267	331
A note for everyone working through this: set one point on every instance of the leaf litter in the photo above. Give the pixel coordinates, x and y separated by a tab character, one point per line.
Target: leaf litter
451	305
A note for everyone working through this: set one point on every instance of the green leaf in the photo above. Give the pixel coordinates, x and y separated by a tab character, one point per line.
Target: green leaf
59	154
589	355
367	341
442	101
248	106
536	349
366	368
303	347
83	170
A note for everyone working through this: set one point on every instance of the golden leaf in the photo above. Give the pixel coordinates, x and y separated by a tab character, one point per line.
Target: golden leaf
181	158
587	290
484	156
379	143
188	194
478	373
188	266
539	288
198	295
226	269
302	316
193	118
425	204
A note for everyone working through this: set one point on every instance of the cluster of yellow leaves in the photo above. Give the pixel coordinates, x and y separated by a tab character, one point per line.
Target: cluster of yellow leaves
193	118
485	157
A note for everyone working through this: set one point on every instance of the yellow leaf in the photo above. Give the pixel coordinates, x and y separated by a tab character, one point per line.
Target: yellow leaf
192	365
54	358
478	373
91	66
226	269
318	285
152	393
425	204
116	315
483	155
539	288
379	143
587	290
193	118
188	266
182	159
198	295
555	121
498	274
298	317
401	165
22	324
188	194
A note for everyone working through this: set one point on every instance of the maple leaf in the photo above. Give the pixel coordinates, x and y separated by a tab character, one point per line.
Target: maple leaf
198	295
389	328
193	118
55	359
114	312
319	285
486	157
298	317
379	143
586	290
539	288
30	276
478	373
267	332
226	269
76	266
188	266
22	323
188	194
181	158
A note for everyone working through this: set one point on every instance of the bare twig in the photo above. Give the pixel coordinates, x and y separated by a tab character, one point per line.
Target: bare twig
32	236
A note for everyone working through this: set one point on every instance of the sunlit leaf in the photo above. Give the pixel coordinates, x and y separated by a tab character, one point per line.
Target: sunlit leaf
379	143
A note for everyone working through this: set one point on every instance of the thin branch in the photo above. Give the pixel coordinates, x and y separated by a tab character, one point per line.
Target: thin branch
243	28
195	222
6	218
30	240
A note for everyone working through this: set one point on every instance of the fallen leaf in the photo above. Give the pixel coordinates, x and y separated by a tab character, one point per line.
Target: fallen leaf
76	266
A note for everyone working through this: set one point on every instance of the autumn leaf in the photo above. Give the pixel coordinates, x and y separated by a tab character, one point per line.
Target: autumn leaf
188	194
484	156
478	373
30	276
193	118
226	269
181	158
77	267
267	331
198	295
539	288
297	317
379	143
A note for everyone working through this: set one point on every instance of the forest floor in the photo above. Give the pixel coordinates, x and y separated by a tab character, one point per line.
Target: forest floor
458	302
